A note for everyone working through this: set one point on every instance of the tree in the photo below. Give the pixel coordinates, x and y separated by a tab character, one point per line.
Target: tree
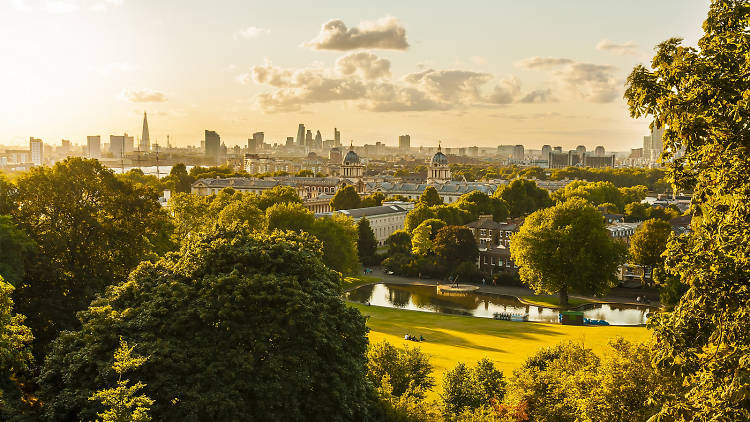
122	404
242	211
594	192
278	195
289	216
648	243
566	248
305	173
261	314
609	207
7	195
636	211
407	369
416	216
664	214
90	230
451	214
466	388
454	245
15	352
15	249
477	203
399	242
366	243
430	197
699	96
180	179
339	237
374	200
345	198
421	242
523	197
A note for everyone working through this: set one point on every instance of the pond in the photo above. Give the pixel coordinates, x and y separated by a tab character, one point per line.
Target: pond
427	299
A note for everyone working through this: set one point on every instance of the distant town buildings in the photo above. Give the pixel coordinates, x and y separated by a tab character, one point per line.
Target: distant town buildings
36	148
213	145
404	143
653	145
119	145
94	146
145	143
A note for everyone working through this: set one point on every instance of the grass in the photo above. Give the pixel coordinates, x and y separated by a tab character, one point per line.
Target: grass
554	301
352	282
452	339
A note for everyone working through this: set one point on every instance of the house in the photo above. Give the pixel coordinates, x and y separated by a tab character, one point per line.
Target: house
384	219
493	241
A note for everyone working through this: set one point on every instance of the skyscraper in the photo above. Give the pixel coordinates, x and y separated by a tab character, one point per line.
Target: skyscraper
308	139
94	146
318	140
301	135
337	137
404	143
213	145
36	147
599	151
119	145
145	144
255	143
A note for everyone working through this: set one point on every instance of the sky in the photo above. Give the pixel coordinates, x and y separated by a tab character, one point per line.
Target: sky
482	73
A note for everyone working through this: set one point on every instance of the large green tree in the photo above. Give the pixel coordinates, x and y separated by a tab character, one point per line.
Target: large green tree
565	249
90	230
648	243
366	244
430	197
345	198
15	249
237	326
454	245
15	353
701	97
179	179
523	197
477	203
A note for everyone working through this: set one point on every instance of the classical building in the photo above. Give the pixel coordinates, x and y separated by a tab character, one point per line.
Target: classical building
449	191
351	167
438	170
384	220
306	187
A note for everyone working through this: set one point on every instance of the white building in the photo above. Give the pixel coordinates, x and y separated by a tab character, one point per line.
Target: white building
36	148
94	146
384	220
438	170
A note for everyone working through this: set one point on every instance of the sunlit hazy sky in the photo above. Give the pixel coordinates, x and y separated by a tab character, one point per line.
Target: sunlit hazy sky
466	73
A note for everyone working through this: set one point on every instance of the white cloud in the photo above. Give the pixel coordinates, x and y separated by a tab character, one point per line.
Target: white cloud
620	49
250	32
365	64
21	5
143	95
386	33
538	96
587	81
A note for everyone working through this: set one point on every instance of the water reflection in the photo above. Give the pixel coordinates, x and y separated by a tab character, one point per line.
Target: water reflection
426	298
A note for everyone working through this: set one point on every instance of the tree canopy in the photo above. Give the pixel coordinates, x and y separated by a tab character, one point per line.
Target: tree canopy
430	197
243	307
366	244
345	198
648	243
455	245
700	97
566	248
523	197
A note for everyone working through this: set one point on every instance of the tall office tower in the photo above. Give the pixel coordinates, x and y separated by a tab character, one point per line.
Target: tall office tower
518	152
404	143
581	150
290	141
256	143
119	145
145	144
308	139
36	147
318	140
337	137
546	149
301	135
558	149
213	145
599	151
65	147
653	145
94	146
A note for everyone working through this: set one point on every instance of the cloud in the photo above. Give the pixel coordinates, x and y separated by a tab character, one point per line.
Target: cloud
461	86
386	33
250	32
543	63
622	49
538	96
478	60
587	81
364	64
143	95
506	91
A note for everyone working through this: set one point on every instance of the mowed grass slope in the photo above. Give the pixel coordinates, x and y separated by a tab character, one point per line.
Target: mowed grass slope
452	339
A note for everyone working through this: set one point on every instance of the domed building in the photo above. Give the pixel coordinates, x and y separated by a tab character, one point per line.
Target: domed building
438	170
351	167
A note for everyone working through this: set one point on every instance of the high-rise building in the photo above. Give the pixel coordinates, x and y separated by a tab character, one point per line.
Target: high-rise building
308	139
145	144
404	143
119	145
36	148
546	149
581	150
337	137
213	145
518	152
301	135
318	140
94	146
653	145
255	144
599	151
290	141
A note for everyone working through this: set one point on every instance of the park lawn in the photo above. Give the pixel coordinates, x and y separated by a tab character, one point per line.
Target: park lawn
554	301
352	282
452	339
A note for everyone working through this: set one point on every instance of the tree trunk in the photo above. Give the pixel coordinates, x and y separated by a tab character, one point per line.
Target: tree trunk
564	297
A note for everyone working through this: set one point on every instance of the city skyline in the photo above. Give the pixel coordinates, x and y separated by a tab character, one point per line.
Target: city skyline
267	70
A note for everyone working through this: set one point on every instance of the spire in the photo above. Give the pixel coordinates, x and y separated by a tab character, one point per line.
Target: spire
351	145
145	143
439	149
